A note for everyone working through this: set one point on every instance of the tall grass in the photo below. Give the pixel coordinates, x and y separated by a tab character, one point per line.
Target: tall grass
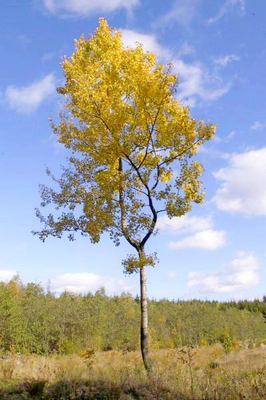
191	374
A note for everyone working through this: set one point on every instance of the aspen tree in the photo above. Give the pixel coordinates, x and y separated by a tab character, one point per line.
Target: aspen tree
132	149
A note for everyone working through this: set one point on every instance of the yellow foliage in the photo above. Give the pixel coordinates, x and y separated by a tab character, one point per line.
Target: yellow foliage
134	141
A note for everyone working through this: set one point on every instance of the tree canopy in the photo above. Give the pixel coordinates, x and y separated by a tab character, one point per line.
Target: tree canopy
35	321
132	144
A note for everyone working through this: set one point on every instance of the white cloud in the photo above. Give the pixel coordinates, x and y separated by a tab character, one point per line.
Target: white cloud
230	136
48	56
185	50
183	12
85	282
213	152
257	126
184	224
86	7
6	275
240	274
199	230
242	187
196	82
208	239
150	43
171	275
28	98
229	6
226	60
225	139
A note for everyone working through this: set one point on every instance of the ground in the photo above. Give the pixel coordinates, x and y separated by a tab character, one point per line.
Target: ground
201	373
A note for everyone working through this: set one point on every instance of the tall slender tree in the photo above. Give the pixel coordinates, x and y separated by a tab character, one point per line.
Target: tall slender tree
132	145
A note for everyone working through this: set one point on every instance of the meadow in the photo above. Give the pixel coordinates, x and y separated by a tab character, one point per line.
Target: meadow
206	372
78	347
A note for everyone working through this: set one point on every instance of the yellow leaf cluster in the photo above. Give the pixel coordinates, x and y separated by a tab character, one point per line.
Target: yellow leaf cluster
134	141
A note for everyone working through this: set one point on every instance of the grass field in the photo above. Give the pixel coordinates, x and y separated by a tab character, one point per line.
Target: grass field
203	373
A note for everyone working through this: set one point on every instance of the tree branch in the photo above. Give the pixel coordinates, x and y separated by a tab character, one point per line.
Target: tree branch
167	160
150	134
154	213
122	210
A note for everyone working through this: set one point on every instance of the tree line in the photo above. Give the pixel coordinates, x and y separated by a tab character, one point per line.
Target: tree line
33	320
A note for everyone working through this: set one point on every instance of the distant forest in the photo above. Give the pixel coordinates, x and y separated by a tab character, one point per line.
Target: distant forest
33	320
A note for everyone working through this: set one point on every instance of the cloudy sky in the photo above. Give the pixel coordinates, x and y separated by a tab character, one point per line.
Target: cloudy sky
217	48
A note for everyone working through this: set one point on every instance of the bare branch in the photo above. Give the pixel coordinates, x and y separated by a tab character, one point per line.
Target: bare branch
159	211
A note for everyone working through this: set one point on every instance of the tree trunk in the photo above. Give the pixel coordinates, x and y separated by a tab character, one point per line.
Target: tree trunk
144	334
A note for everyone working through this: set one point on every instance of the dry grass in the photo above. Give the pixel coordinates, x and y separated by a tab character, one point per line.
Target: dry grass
204	373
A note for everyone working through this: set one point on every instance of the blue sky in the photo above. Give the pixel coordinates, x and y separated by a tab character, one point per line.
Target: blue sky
217	48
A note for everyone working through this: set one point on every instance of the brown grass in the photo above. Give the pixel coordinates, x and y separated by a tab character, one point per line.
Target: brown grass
204	373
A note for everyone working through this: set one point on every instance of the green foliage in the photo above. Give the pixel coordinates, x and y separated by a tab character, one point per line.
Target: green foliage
132	263
227	343
32	321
